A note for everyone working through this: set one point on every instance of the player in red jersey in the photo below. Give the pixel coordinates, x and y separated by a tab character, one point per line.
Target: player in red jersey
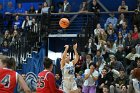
46	80
8	77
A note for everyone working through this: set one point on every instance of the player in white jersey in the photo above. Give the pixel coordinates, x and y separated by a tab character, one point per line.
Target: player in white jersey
68	69
135	82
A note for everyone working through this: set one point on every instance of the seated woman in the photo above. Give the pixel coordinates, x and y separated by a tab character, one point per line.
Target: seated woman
123	7
135	34
121	20
120	40
46	8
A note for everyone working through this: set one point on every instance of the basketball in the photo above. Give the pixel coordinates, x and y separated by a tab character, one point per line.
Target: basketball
64	22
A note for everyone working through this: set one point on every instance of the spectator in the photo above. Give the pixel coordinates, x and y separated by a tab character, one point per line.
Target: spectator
98	59
105	89
117	65
128	44
111	33
138	5
124	29
120	40
14	38
10	8
97	31
95	8
46	8
90	47
26	23
135	34
59	6
91	75
120	55
31	10
110	47
79	64
123	7
17	22
107	48
112	20
7	36
5	48
102	37
45	19
131	56
79	79
58	79
134	64
19	88
137	63
20	9
52	6
124	89
102	47
136	19
137	46
34	26
85	64
110	27
121	20
84	6
121	81
39	8
66	7
104	79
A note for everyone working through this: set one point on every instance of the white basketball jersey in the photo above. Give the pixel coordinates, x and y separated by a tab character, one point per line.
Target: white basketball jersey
68	70
136	85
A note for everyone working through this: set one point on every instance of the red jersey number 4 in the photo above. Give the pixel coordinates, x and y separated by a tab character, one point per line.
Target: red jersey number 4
6	81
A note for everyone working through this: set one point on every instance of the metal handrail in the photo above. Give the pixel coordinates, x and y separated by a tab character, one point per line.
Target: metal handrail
70	13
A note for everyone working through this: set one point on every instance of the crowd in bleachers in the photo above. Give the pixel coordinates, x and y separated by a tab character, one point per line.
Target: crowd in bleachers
115	51
114	48
14	29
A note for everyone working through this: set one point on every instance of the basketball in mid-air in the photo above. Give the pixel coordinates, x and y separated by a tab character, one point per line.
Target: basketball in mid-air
64	22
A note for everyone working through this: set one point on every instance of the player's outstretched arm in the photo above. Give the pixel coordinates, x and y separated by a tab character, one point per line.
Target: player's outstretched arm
64	56
23	84
76	54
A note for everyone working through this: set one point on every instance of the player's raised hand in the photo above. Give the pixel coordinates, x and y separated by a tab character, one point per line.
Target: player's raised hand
66	46
75	46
